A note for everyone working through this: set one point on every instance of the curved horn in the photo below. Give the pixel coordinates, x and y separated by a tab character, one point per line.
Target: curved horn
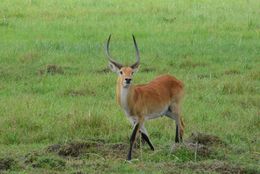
118	65
136	64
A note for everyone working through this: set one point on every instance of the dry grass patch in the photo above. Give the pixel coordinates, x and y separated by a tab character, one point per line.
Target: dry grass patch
231	72
29	57
148	69
192	64
79	92
103	71
51	69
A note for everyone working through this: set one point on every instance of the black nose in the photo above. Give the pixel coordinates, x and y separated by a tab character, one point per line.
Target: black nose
128	81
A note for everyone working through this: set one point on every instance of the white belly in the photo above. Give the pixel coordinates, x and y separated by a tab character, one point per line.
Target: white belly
156	114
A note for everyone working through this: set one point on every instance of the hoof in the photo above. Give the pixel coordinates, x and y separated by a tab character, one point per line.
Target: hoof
131	161
128	161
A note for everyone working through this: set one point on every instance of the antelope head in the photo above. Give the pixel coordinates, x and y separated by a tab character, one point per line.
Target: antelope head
125	73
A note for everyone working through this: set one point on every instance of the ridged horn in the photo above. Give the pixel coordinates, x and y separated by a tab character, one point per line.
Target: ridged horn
111	60
136	64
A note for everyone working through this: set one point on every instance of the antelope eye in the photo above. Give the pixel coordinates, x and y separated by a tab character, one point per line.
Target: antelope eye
121	72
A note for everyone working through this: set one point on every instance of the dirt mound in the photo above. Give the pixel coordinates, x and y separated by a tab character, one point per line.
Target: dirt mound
7	163
73	149
204	139
89	148
40	160
200	144
31	157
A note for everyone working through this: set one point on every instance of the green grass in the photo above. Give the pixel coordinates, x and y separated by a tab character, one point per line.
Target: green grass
212	46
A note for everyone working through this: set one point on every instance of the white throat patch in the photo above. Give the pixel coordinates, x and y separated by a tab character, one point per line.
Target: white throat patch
123	99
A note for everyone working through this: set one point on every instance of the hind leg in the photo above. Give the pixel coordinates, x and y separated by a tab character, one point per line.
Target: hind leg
174	113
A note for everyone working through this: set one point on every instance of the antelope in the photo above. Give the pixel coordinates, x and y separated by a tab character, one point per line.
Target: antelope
159	97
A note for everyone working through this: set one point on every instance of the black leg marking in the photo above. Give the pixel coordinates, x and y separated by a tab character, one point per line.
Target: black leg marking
132	140
143	140
181	139
177	134
169	109
145	137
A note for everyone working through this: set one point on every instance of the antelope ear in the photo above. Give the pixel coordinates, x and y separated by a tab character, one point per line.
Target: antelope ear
113	67
136	68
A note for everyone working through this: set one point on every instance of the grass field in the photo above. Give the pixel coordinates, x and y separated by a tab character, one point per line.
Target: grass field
58	112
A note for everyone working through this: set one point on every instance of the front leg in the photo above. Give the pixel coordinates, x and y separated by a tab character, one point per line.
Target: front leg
132	141
145	136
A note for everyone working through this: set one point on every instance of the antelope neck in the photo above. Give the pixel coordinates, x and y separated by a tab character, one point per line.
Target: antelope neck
123	95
